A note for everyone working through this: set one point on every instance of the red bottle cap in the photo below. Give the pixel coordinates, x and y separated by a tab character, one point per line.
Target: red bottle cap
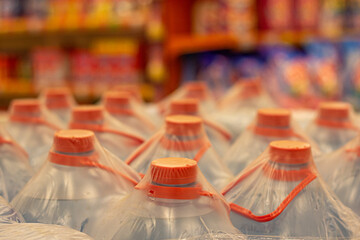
57	98
74	141
183	125
119	99
338	111
25	106
290	152
188	106
87	113
173	171
272	117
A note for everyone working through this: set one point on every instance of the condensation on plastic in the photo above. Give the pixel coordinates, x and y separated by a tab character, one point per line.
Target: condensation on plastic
123	107
341	171
118	138
238	106
15	169
58	101
219	136
8	214
182	136
32	126
281	194
333	126
198	90
271	124
173	201
79	178
37	231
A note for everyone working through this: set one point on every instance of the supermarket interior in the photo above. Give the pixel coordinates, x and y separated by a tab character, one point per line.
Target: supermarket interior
179	119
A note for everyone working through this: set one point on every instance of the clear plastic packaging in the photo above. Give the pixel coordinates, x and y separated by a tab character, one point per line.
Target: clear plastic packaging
59	101
123	107
77	181
8	214
281	194
219	136
271	124
341	171
15	169
238	107
182	136
197	90
333	126
118	138
37	231
173	201
33	128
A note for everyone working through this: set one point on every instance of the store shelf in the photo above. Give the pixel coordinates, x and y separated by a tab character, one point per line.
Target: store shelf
193	44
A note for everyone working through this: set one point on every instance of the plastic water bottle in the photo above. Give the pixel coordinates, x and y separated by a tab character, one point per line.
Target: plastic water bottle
281	194
8	214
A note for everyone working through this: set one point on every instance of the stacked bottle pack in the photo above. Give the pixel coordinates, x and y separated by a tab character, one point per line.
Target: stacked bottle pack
189	167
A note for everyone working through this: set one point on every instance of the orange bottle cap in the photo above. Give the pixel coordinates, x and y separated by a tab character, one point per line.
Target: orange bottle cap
184	106
25	106
339	111
117	99
272	117
196	90
183	125
290	152
133	89
74	141
57	98
173	171
87	113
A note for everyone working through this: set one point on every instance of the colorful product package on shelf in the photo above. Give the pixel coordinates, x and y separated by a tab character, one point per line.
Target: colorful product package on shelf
8	214
269	125
340	171
281	194
59	101
33	128
15	169
238	106
334	126
78	179
182	136
83	71
198	90
37	231
116	137
128	111
172	201
219	136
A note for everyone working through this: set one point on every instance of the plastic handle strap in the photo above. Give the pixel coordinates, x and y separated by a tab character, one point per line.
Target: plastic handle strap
101	128
268	217
336	124
86	161
8	141
34	120
353	150
132	113
218	128
157	136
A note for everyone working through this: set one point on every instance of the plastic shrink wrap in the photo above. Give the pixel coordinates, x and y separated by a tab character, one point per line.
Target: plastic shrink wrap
198	90
341	171
333	126
33	127
219	136
77	181
281	194
58	101
37	231
8	214
15	169
271	124
182	136
238	106
129	112
173	201
118	138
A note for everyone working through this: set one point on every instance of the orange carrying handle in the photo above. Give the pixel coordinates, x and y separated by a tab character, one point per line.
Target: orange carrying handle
309	177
